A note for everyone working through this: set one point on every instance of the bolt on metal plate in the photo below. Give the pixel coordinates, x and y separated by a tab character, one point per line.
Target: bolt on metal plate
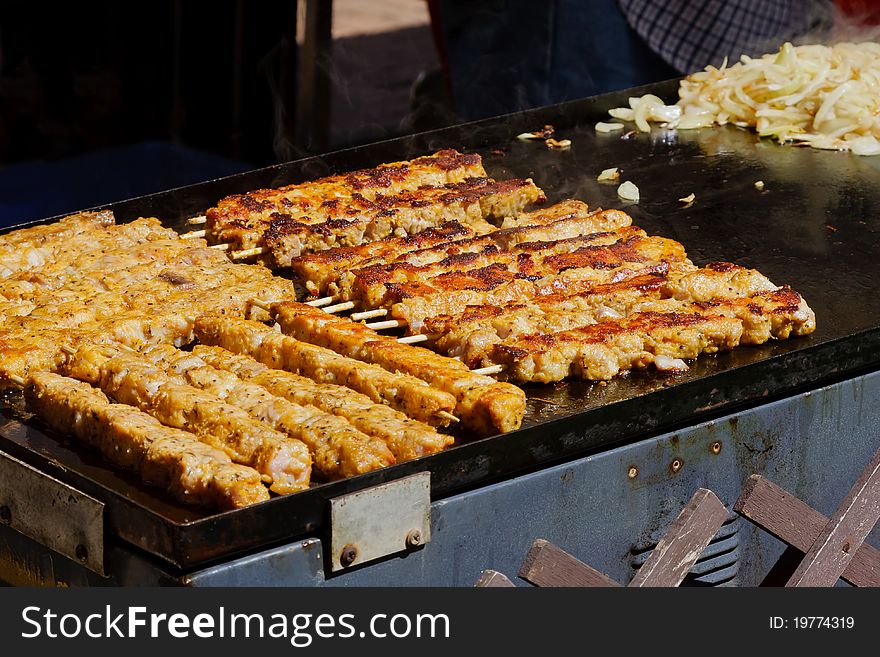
385	519
52	513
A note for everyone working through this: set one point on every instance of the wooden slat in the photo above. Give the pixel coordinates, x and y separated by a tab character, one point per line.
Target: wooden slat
796	523
683	542
547	565
844	532
493	579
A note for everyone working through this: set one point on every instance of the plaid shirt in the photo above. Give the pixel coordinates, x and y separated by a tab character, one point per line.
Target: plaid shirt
691	34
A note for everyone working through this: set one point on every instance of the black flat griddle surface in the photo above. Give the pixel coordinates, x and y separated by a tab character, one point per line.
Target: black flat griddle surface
814	226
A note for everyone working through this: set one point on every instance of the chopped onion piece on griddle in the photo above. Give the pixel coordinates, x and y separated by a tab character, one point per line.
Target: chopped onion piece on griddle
622	113
558	144
867	145
609	175
544	133
628	191
608	127
669	113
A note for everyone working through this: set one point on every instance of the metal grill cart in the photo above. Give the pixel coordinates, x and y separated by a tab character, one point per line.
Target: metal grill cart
594	465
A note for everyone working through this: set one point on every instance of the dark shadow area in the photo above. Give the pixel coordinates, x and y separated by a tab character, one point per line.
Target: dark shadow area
386	85
106	100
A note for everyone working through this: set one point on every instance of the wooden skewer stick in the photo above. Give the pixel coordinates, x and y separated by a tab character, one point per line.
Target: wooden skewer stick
388	324
391	323
260	303
397	323
197	220
492	369
448	416
421	337
193	234
369	314
220	247
409	339
339	307
323	301
247	253
413	339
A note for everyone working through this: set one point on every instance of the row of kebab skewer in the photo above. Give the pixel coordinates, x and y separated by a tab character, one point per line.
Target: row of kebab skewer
208	378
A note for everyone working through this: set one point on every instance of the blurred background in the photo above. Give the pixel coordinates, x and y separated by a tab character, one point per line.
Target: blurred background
101	101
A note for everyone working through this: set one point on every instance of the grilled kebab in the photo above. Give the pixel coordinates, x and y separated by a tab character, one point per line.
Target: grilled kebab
524	278
101	236
130	379
601	350
369	286
114	269
57	231
402	392
319	270
338	449
190	470
357	220
472	334
407	438
483	405
242	219
334	271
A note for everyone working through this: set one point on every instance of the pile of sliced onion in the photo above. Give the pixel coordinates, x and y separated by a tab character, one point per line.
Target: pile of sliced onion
821	96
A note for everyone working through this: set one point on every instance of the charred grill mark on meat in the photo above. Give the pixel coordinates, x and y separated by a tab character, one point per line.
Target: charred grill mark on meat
471	202
473	334
601	351
370	285
321	269
326	272
242	219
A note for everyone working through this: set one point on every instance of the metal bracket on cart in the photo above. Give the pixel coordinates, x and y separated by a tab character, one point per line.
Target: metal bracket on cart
52	513
376	522
820	550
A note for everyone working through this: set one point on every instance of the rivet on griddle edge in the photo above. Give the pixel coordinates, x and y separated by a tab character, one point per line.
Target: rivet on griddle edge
676	464
414	538
5	514
348	555
716	447
633	472
82	552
